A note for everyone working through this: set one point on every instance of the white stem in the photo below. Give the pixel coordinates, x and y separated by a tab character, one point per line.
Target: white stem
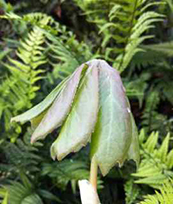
88	193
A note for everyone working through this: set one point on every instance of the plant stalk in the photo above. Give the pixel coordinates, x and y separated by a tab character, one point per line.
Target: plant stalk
93	173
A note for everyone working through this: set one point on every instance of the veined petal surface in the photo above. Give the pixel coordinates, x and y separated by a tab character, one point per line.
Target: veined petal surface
60	107
112	136
77	129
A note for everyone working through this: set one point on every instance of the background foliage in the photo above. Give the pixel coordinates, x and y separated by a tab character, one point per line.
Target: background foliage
42	42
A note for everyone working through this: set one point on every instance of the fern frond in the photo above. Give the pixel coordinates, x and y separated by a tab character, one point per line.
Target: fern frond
164	195
139	25
66	45
20	156
165	48
35	19
156	163
20	194
131	191
151	119
145	58
152	54
19	88
61	43
68	171
122	24
32	54
136	87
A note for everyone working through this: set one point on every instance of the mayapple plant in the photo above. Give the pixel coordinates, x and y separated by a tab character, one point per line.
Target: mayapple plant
91	106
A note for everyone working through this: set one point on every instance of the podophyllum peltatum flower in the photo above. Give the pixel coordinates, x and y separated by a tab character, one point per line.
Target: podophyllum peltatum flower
91	105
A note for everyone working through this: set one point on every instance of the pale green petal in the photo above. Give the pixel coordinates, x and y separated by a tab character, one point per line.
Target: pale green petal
112	136
77	129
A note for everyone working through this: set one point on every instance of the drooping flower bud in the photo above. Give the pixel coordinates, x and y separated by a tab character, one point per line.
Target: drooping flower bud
92	106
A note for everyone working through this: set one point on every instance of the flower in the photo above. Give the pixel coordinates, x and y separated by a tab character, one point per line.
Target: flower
91	106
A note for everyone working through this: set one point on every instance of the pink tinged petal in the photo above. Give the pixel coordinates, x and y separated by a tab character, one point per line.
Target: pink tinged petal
59	109
77	129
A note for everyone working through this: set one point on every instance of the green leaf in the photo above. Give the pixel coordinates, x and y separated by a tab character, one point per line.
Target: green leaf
112	137
77	129
58	111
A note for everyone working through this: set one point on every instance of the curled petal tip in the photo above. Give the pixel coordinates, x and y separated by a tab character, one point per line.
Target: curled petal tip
12	119
32	140
53	157
52	152
59	157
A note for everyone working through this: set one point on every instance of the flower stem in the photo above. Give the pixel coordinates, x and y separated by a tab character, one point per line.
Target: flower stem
93	173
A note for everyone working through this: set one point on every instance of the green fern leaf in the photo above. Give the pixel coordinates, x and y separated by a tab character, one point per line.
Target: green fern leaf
156	163
164	195
122	24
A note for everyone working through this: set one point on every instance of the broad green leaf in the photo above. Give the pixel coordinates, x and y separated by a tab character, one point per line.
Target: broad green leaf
39	108
112	136
61	106
77	129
